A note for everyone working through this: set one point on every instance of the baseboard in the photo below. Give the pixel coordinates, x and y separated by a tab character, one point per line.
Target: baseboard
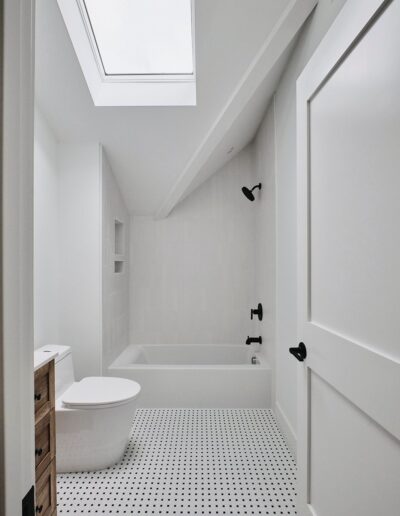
286	429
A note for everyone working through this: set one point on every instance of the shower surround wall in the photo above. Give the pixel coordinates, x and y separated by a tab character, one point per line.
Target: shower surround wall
193	273
115	294
79	301
263	149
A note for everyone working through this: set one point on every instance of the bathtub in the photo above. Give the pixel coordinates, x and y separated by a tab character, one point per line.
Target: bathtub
196	376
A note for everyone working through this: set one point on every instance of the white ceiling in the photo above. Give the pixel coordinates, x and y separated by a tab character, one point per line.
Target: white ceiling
151	149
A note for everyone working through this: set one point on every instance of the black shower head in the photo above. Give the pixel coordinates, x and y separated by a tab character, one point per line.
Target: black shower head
249	193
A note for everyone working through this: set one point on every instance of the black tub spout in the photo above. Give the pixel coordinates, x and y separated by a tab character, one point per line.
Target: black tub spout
249	340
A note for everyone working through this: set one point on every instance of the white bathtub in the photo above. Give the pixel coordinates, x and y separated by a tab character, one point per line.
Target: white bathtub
186	376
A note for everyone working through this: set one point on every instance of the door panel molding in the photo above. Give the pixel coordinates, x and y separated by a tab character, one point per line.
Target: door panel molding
372	387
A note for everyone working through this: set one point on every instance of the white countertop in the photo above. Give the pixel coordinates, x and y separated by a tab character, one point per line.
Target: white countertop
40	358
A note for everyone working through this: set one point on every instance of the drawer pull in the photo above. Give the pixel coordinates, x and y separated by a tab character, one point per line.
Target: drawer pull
38	452
39	508
38	397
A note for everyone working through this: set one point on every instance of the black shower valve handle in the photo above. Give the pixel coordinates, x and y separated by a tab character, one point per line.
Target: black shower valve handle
257	311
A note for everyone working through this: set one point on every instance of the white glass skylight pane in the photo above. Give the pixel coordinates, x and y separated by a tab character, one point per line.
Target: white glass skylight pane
142	36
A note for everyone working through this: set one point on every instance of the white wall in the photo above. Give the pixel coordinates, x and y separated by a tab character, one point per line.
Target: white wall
193	274
46	235
80	255
79	300
284	111
115	291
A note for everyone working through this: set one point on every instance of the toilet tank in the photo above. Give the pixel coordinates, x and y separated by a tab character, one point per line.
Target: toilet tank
64	368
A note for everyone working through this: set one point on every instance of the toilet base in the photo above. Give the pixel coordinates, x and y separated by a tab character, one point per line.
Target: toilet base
92	439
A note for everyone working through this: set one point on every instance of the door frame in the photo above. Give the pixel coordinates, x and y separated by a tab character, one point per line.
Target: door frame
351	24
17	472
2	465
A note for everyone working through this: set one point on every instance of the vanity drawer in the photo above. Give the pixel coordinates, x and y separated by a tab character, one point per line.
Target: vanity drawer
44	441
46	501
44	389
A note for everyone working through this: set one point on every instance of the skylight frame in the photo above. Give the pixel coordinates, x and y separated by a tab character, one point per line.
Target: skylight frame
125	89
96	48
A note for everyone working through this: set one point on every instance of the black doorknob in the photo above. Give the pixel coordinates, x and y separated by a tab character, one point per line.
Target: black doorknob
300	352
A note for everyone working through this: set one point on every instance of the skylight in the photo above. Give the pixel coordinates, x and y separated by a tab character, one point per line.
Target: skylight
134	52
142	37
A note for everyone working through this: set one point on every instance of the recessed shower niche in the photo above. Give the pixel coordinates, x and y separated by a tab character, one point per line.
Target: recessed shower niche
119	246
118	266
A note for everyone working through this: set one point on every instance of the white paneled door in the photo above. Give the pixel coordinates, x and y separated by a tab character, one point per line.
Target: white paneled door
349	266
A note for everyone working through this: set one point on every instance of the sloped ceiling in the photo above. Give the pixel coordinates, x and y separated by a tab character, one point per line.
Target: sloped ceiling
159	155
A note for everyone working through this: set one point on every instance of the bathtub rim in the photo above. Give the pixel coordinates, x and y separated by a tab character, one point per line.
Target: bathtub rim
118	364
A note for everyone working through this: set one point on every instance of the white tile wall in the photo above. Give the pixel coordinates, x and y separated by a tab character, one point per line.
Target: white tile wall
193	274
115	287
264	163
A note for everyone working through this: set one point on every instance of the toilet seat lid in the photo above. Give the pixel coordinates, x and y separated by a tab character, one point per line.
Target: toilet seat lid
96	391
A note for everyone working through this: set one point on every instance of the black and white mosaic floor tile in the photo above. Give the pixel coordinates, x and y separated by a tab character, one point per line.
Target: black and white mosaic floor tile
191	462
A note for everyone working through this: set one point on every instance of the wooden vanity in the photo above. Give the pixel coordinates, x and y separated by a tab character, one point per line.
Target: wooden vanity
45	440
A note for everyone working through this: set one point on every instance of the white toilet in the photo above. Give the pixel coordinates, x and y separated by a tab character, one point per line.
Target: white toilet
93	417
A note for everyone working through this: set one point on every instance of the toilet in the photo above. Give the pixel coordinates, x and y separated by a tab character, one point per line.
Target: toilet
93	416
